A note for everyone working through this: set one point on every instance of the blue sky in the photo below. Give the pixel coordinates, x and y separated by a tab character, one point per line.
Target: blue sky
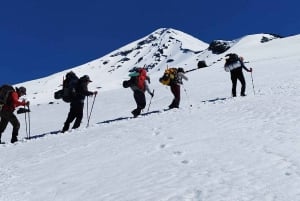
39	38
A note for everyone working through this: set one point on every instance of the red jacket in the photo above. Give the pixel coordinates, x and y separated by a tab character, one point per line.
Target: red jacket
13	102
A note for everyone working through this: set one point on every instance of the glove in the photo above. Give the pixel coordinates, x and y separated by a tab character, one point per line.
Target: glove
26	103
22	110
95	93
250	70
151	94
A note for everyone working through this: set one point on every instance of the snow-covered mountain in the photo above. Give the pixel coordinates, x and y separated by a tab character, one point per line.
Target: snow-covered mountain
162	48
214	148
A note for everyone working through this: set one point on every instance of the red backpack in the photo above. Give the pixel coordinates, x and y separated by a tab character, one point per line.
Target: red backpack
139	75
141	79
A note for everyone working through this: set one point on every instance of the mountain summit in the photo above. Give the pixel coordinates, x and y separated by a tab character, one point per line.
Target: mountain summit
155	50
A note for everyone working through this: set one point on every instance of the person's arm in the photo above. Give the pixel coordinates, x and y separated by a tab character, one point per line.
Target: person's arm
15	100
85	91
244	67
183	76
148	89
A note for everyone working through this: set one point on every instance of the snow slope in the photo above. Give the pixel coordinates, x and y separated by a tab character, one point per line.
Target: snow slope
214	148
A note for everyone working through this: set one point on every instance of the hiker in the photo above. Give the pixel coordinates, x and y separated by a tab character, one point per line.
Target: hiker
77	103
235	65
138	84
175	87
7	112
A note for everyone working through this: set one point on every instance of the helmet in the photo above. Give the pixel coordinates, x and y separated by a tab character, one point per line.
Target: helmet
86	78
22	90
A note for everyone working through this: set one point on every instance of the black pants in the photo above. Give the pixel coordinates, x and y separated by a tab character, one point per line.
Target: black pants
237	74
75	113
9	116
175	89
140	99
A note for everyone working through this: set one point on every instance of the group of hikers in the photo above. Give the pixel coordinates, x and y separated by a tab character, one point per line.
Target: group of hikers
76	89
139	81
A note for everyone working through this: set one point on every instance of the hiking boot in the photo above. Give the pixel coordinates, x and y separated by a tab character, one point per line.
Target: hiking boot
136	112
66	127
173	106
14	139
243	95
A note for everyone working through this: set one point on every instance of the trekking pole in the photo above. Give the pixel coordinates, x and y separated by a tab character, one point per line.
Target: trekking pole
187	96
87	106
150	101
26	127
252	83
29	134
89	117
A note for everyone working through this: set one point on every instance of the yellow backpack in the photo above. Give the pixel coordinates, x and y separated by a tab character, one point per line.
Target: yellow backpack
169	76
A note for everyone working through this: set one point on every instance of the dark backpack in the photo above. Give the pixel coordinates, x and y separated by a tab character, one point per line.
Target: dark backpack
5	91
232	58
68	92
69	87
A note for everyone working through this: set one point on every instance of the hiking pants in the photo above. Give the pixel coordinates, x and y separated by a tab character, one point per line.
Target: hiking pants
175	89
140	99
76	112
237	74
9	116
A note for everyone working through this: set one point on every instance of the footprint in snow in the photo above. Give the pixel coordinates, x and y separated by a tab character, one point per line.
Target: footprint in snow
177	153
185	162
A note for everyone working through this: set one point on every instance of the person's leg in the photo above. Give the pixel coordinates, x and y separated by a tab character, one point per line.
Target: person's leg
3	124
70	118
234	82
243	83
175	89
16	126
78	115
140	100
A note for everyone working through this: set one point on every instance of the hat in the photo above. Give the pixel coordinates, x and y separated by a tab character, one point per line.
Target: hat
181	70
86	78
22	90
